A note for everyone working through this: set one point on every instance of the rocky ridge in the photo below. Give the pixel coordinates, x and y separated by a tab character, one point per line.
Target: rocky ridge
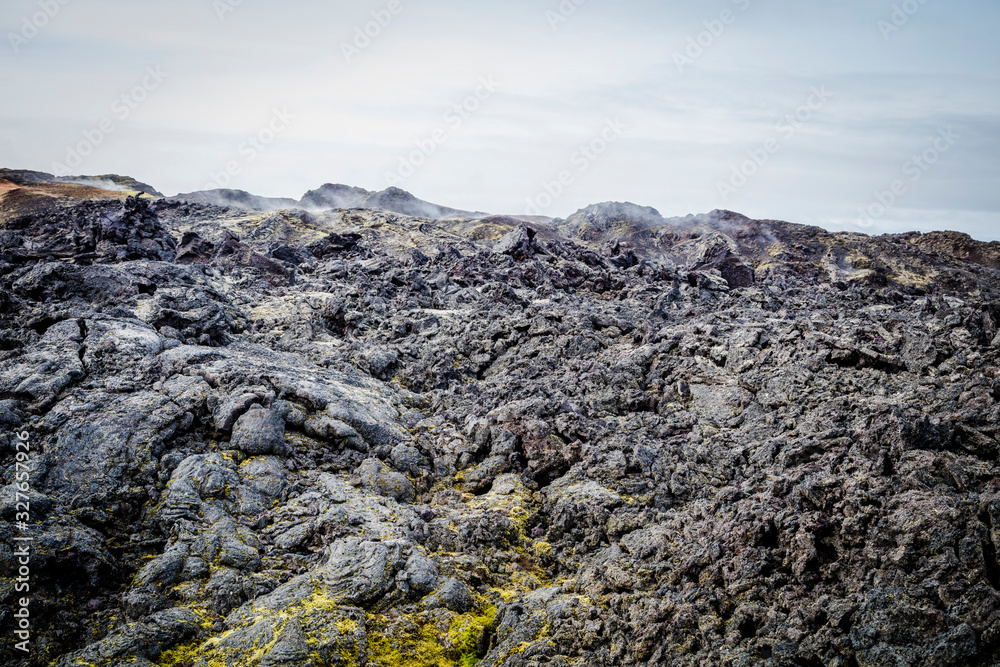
349	436
330	196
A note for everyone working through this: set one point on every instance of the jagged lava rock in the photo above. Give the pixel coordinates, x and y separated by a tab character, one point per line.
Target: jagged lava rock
383	432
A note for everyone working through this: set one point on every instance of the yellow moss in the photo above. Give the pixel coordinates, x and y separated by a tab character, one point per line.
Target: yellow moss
467	632
519	516
187	653
347	626
527	574
319	601
425	646
505	594
181	656
519	649
907	277
542	548
775	249
419	649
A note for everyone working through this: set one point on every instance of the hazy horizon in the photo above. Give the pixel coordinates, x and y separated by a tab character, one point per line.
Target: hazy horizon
875	117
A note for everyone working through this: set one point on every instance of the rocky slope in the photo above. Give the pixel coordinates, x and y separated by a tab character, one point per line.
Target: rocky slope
392	200
353	437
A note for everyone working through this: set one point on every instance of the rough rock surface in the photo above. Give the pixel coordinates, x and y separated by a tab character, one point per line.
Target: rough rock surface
358	438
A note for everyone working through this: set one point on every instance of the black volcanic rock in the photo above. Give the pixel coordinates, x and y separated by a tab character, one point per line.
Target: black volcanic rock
106	181
595	221
235	199
516	243
91	232
326	198
233	254
229	253
25	176
960	246
112	182
719	252
356	436
400	201
393	200
335	196
194	249
334	244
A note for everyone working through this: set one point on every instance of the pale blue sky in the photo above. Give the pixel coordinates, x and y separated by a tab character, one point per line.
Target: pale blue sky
685	126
